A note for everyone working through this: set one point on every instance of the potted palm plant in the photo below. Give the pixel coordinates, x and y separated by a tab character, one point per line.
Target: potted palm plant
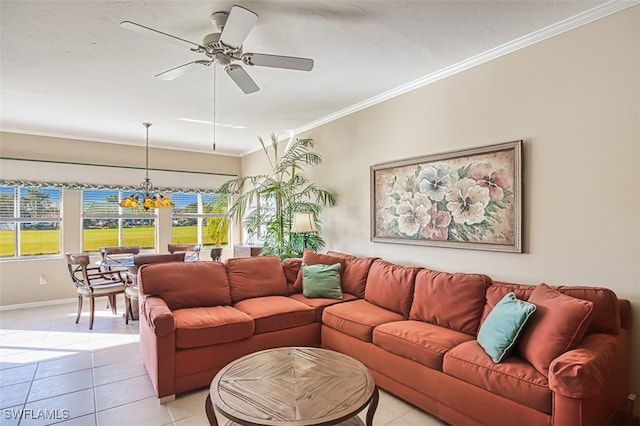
218	227
266	203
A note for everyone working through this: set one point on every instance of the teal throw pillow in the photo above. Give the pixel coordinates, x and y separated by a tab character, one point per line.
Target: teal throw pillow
501	328
321	281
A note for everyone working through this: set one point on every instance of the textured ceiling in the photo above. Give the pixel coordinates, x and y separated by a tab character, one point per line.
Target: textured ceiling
68	69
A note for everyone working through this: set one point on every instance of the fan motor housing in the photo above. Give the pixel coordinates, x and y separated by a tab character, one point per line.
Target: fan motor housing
211	39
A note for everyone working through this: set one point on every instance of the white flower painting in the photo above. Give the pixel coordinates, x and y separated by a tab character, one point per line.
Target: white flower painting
468	199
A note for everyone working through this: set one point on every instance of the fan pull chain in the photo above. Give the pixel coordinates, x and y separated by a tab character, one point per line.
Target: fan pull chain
214	106
146	158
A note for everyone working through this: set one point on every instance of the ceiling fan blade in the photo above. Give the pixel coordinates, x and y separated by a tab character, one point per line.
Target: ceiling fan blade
276	61
242	78
237	27
180	70
146	30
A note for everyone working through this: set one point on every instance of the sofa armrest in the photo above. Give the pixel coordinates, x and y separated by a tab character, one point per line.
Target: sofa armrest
583	371
624	307
158	315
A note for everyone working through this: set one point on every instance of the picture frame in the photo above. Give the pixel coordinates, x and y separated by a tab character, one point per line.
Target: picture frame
467	199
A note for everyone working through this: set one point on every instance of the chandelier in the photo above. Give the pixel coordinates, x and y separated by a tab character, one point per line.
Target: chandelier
151	199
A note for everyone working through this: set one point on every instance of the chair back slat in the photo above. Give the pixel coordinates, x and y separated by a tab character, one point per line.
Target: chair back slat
192	251
92	281
77	264
108	251
115	257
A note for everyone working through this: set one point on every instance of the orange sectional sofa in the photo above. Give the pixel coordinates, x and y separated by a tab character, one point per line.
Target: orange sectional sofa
416	329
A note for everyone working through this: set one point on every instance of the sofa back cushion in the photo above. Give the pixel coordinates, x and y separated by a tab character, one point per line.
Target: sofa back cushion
557	325
256	277
355	273
310	257
390	286
454	301
186	284
291	267
605	317
498	290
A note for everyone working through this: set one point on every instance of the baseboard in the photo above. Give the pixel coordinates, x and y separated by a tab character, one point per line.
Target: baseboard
625	416
620	418
36	304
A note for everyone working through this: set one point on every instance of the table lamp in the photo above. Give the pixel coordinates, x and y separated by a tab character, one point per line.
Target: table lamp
303	223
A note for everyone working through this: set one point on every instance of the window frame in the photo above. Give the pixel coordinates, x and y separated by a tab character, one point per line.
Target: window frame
121	215
17	221
200	217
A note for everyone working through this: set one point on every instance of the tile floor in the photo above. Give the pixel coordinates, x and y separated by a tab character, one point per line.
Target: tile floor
53	371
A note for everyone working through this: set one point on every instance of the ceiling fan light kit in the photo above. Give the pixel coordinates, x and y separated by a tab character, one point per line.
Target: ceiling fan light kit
224	47
218	19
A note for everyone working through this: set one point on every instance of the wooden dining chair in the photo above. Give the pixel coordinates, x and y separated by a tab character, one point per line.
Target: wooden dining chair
93	281
116	257
192	251
131	292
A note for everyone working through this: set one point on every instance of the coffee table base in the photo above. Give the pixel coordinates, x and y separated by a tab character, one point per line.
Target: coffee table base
354	421
295	386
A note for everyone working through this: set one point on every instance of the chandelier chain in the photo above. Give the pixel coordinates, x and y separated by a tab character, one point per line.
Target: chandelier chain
150	199
146	160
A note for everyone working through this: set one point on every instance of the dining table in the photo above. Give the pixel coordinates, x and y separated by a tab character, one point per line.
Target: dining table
126	265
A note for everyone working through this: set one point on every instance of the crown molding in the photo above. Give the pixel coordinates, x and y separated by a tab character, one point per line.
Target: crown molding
576	21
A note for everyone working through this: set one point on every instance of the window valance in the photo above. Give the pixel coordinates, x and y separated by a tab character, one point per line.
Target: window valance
39	173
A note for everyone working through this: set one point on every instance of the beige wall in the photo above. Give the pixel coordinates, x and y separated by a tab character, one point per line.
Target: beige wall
20	280
575	101
34	147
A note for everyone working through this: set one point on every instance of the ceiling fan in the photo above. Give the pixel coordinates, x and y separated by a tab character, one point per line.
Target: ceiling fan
224	47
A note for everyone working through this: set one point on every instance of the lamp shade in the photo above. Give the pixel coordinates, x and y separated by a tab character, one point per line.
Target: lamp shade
303	222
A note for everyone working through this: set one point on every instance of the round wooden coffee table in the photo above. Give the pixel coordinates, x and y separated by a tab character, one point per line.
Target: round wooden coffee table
293	386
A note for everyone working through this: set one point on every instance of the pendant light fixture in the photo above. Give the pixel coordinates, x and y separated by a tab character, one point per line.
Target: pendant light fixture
215	92
150	199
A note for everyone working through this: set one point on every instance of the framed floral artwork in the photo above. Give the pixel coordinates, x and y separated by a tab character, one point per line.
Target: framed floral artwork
468	199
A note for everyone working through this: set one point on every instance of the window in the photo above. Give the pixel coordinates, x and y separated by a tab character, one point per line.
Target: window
30	220
199	218
105	223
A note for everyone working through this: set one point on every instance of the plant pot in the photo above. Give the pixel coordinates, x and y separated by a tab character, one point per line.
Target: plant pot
216	254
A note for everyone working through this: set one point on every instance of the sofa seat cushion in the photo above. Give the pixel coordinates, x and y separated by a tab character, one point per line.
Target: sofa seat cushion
318	304
211	326
272	313
358	318
513	378
419	341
